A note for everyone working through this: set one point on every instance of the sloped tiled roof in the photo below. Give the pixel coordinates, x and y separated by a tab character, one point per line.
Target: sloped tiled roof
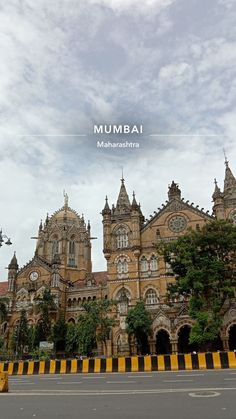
3	288
100	276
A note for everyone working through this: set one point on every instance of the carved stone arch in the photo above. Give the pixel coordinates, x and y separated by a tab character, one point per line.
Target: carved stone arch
120	226
161	322
158	328
182	323
119	288
148	286
121	255
228	326
71	320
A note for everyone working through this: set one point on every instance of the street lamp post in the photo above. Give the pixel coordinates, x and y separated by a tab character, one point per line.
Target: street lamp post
7	241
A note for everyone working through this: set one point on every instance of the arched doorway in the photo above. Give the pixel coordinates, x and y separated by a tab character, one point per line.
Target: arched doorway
163	345
232	337
184	346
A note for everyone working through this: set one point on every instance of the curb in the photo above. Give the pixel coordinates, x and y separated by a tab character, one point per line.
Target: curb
148	363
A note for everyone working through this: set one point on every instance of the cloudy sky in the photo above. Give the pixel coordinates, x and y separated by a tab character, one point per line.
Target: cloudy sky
67	64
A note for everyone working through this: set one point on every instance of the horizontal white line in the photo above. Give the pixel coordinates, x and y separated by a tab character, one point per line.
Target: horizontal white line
72	392
22	383
50	378
190	375
186	135
121	382
51	135
176	381
69	382
140	376
229	379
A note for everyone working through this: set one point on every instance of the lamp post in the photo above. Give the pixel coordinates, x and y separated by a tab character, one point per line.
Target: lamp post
2	237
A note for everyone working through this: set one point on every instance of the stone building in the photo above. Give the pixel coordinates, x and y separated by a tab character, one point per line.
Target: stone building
62	262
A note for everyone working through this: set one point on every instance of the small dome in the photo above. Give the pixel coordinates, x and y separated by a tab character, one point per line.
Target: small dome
65	213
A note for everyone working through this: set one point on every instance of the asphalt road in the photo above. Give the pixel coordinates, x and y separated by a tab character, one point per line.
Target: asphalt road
164	395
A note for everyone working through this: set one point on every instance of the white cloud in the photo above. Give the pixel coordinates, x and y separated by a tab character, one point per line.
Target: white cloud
67	64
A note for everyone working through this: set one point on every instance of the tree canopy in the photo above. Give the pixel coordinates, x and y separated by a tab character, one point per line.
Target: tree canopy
203	262
139	324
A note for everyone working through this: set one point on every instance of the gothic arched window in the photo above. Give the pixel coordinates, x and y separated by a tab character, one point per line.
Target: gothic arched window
55	247
143	264
151	296
122	266
71	247
153	263
122	238
71	257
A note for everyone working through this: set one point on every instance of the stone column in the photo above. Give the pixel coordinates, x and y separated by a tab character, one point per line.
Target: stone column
225	341
174	346
152	344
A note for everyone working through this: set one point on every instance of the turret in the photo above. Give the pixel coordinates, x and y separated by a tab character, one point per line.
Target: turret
106	213
218	199
12	273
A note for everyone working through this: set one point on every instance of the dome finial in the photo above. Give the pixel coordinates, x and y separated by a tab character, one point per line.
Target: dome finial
66	199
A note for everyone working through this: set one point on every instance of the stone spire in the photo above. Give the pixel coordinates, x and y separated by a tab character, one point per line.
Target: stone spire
134	202
217	192
174	192
230	181
123	202
13	264
106	209
41	226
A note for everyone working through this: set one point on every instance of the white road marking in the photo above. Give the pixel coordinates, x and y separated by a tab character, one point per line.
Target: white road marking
212	394
50	378
229	379
120	382
176	381
21	383
96	376
73	392
139	376
190	375
70	382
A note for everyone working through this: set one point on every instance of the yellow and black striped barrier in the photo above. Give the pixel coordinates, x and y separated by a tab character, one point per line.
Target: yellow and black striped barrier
3	382
148	363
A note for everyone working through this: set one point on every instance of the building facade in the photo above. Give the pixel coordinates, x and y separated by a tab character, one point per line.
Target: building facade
62	262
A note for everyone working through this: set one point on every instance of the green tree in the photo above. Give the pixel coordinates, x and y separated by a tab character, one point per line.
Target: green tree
21	334
203	263
59	332
93	326
139	324
45	305
72	338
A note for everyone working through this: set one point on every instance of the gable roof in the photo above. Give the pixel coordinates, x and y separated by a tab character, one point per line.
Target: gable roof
36	260
176	205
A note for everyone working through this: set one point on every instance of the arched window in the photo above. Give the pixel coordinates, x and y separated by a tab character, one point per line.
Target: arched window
153	263
151	296
122	238
55	247
143	264
122	266
120	295
71	247
71	256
